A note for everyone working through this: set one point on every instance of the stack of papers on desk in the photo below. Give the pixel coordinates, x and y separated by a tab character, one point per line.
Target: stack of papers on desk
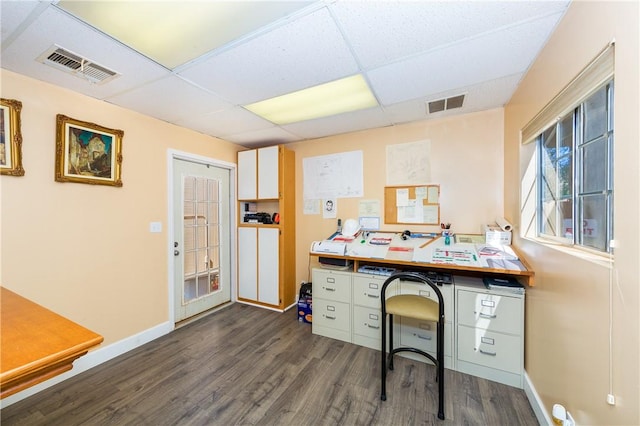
476	255
455	255
499	257
490	251
366	250
329	247
464	255
505	284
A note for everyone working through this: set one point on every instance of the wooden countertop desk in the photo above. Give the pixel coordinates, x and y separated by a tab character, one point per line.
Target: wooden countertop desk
36	344
402	254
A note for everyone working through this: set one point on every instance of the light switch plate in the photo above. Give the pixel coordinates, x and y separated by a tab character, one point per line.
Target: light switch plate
155	227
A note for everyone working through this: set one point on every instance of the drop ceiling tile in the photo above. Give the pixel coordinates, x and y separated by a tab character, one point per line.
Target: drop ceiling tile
343	123
302	53
170	99
264	137
56	27
226	122
14	14
491	94
177	32
486	95
484	58
382	32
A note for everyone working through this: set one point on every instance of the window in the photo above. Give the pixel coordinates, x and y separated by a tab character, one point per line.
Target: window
575	174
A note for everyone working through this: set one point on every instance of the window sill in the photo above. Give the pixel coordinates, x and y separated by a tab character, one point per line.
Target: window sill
602	259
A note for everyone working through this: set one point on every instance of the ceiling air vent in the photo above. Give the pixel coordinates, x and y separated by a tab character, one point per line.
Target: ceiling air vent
445	104
67	61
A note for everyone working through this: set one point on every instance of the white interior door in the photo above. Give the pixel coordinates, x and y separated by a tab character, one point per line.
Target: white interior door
202	242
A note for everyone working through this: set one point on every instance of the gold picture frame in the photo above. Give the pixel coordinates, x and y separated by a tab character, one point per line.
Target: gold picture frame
10	138
87	152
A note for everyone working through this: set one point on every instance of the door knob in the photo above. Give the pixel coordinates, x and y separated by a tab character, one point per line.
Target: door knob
176	252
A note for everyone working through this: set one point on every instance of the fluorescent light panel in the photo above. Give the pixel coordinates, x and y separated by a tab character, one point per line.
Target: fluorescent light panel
175	32
336	97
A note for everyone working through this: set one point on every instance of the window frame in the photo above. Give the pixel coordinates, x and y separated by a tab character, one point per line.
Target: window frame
578	194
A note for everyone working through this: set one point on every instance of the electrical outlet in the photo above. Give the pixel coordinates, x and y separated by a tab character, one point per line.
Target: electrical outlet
611	399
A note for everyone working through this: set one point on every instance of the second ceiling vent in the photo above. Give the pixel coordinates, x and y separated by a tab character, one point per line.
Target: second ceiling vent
445	104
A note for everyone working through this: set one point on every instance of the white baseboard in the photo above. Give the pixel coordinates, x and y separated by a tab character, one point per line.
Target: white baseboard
536	402
93	359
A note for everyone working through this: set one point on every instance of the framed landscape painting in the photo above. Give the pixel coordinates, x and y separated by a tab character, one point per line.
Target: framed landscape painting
87	152
10	138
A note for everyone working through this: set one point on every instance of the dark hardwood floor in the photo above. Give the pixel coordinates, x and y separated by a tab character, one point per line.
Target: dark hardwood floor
248	366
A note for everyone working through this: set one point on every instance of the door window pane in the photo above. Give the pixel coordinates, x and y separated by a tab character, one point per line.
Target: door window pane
201	237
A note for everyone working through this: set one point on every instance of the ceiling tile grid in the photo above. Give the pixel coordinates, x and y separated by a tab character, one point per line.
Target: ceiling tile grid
56	27
384	32
410	52
479	59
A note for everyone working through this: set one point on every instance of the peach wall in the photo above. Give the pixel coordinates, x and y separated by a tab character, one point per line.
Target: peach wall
85	251
466	160
567	352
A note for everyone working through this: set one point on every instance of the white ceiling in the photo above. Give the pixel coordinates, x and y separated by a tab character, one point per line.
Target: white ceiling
410	52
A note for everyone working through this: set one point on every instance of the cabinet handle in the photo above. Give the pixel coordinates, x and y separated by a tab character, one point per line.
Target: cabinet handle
486	316
328	317
423	337
373	326
329	288
488	353
373	296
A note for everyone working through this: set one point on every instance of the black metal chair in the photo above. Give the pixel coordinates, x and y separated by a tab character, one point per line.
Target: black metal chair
418	307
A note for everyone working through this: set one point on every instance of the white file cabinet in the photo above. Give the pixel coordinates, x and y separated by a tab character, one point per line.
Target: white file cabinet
490	332
421	334
483	329
367	318
331	304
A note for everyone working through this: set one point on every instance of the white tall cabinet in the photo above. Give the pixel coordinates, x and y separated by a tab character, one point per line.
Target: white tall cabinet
266	251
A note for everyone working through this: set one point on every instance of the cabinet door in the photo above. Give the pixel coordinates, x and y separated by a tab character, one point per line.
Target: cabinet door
248	263
268	172
247	166
268	265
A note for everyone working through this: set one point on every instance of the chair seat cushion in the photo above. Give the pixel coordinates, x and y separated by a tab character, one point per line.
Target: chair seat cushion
413	306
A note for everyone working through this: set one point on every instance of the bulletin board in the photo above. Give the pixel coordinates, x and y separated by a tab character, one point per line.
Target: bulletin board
412	204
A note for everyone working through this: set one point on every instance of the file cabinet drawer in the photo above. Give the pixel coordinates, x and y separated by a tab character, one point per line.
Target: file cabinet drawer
366	290
494	350
331	285
367	322
490	312
423	335
332	314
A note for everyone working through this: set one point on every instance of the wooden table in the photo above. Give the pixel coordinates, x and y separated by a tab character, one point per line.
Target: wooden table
36	344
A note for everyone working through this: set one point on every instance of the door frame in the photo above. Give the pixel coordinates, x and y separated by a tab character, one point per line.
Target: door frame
172	155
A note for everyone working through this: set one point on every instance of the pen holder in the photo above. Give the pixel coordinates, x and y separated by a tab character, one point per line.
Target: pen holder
447	234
